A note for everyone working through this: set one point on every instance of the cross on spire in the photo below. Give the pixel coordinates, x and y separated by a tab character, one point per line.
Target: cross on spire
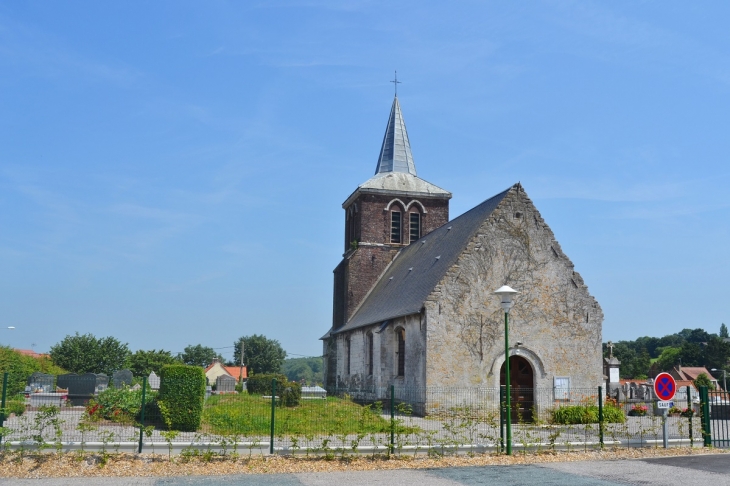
396	83
610	349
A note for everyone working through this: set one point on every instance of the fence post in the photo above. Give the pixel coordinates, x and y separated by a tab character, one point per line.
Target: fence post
705	416
273	415
141	414
501	418
391	447
691	414
600	416
2	406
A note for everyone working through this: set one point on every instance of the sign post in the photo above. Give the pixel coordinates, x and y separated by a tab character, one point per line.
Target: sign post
664	387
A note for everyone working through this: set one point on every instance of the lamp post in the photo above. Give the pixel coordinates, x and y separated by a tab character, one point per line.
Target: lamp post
507	293
724	380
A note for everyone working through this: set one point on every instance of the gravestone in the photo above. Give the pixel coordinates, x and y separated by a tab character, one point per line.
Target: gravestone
154	381
225	384
80	387
121	378
41	381
102	382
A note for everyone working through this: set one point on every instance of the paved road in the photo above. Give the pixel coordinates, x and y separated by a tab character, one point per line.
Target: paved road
706	469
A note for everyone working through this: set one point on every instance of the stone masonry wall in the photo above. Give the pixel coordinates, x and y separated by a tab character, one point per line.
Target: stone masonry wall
554	316
385	346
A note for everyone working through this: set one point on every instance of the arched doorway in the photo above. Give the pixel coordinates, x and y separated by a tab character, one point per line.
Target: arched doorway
521	388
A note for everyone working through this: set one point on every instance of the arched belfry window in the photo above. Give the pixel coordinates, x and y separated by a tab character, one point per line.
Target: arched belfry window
401	353
414	225
396	226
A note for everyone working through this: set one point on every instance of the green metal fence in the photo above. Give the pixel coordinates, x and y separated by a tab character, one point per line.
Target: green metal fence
377	420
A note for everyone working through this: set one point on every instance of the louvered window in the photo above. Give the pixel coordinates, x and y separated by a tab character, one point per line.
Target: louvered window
395	227
415	226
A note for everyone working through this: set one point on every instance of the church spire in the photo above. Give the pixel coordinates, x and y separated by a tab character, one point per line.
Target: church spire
395	154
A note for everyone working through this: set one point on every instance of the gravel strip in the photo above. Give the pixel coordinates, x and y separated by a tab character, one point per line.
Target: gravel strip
51	465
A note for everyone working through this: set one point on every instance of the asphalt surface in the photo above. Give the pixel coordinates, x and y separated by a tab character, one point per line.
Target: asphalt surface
705	469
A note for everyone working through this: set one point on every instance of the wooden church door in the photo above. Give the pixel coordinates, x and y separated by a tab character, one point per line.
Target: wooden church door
522	391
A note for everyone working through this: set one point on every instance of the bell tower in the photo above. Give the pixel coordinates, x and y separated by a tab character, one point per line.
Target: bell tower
387	212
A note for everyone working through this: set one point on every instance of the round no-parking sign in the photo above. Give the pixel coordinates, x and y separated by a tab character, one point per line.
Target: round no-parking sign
664	386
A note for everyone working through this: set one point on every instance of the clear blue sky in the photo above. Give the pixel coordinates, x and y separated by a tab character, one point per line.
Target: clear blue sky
172	173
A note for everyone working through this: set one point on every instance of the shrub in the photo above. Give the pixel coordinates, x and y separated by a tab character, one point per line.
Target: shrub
118	405
19	367
290	394
587	414
261	384
181	396
613	415
16	406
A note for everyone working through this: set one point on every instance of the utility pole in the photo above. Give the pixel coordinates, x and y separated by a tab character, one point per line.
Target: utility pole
240	375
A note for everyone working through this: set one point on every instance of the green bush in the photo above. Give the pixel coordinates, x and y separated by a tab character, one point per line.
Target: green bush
19	367
290	393
181	396
587	414
261	384
16	406
121	405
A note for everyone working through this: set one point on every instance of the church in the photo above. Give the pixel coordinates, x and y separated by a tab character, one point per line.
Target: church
414	302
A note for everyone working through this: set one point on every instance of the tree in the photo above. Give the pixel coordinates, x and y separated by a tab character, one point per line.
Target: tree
691	354
307	369
723	331
142	363
695	335
261	354
87	354
198	355
703	380
669	358
717	353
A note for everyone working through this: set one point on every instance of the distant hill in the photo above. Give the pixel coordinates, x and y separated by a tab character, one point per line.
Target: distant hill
307	369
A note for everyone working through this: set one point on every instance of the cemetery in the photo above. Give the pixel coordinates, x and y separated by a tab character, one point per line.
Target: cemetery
92	411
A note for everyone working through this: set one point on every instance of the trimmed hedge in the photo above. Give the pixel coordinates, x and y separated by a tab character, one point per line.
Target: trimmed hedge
181	396
261	384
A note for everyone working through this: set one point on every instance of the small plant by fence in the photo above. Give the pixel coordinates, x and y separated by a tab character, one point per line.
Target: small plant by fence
388	420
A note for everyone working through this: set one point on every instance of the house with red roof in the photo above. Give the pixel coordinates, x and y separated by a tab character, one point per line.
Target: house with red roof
216	369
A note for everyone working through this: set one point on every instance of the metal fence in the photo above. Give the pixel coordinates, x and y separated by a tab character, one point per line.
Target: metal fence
391	419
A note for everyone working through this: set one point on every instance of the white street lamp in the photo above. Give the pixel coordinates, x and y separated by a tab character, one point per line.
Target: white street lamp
507	294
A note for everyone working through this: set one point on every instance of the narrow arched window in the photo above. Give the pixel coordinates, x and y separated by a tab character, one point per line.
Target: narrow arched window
401	353
395	227
347	356
370	353
414	226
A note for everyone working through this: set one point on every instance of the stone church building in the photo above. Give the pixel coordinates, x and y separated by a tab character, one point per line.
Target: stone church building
413	295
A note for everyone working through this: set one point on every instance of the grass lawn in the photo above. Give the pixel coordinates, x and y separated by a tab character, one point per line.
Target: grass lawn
250	415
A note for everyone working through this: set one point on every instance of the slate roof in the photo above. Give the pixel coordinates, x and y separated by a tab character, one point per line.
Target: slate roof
418	268
395	153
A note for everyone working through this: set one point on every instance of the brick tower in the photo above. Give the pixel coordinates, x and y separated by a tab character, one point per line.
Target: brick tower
389	211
